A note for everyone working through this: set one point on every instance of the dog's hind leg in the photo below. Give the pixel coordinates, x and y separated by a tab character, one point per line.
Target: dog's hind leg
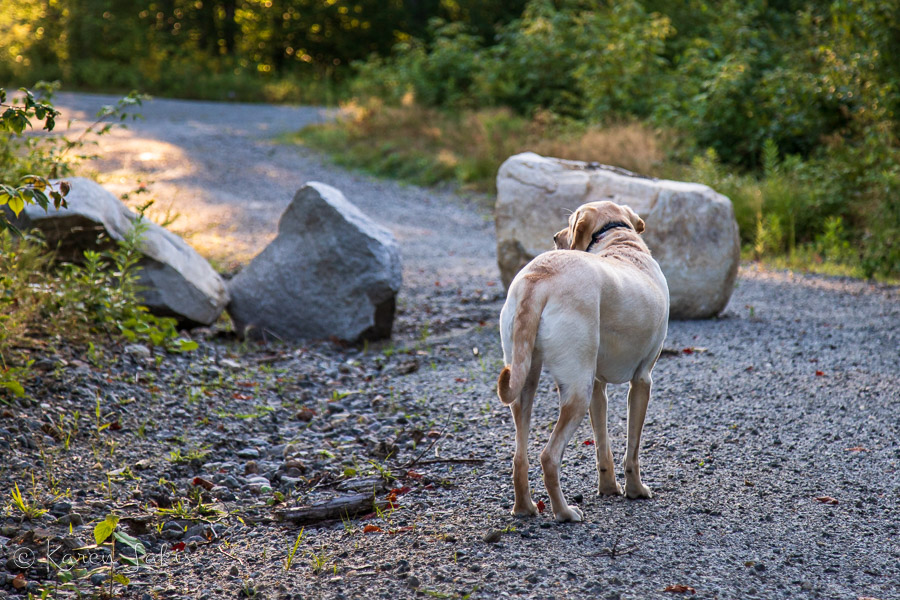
606	470
573	403
521	412
638	399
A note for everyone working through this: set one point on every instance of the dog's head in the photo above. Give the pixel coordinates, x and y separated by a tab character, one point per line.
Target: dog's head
592	220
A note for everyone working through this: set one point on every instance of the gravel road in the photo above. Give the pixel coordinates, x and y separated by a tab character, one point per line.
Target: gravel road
772	441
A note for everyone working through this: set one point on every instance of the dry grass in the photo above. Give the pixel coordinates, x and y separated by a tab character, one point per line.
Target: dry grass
632	146
425	145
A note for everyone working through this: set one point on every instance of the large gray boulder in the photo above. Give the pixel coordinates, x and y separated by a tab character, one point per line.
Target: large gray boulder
330	273
691	229
177	281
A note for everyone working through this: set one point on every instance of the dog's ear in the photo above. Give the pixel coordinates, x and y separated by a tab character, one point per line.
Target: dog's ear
582	230
636	221
561	239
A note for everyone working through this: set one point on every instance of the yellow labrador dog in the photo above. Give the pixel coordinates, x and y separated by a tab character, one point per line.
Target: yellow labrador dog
591	317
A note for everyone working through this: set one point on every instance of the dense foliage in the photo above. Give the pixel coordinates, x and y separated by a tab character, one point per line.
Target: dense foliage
224	49
787	106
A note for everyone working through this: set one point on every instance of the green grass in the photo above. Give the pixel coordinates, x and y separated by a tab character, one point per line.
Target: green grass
790	214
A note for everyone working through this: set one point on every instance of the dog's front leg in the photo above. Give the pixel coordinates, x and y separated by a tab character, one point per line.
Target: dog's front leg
606	470
573	405
638	399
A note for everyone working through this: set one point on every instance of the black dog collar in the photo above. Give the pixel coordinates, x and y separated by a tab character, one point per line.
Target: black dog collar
604	229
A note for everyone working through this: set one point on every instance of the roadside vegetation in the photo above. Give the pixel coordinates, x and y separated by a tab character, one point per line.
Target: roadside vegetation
45	303
789	108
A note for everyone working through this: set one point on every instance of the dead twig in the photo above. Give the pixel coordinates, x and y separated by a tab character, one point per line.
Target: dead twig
464	461
232	556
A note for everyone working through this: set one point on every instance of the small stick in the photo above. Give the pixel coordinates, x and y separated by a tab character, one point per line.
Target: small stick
452	460
231	556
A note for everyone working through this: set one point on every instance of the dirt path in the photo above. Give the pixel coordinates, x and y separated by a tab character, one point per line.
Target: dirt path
757	420
217	167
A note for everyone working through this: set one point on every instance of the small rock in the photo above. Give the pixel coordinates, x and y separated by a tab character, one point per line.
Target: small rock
248	453
493	536
137	350
234	572
60	508
305	414
98	578
413	581
74	519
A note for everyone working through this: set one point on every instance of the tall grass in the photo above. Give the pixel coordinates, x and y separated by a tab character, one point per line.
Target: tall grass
427	145
792	213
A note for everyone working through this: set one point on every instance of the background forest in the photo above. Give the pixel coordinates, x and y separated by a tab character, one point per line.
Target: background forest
787	106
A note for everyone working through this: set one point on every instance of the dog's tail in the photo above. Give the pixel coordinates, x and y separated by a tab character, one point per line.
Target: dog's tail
524	332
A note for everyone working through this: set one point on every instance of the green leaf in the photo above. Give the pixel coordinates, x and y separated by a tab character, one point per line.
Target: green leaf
105	528
15	387
17	204
119	578
183	345
133	543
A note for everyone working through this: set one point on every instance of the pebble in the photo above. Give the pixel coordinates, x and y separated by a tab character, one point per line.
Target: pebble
221	492
248	453
137	350
493	536
60	508
74	519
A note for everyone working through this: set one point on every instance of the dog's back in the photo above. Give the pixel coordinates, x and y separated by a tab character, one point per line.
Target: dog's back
608	312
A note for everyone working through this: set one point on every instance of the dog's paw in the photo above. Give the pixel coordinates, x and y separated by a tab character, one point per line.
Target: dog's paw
639	490
523	509
613	489
569	515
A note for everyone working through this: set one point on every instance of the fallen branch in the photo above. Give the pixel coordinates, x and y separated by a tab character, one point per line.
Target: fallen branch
345	507
434	461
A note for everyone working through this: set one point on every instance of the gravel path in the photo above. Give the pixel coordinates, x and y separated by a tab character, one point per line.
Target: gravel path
771	441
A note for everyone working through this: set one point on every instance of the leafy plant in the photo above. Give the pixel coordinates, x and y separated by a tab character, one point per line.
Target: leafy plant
289	560
29	510
28	189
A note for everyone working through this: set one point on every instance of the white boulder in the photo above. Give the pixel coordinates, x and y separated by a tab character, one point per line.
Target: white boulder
177	281
691	229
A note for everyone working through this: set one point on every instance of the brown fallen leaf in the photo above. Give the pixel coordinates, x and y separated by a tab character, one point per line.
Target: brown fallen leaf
540	506
372	529
680	589
19	582
826	499
205	484
856	449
